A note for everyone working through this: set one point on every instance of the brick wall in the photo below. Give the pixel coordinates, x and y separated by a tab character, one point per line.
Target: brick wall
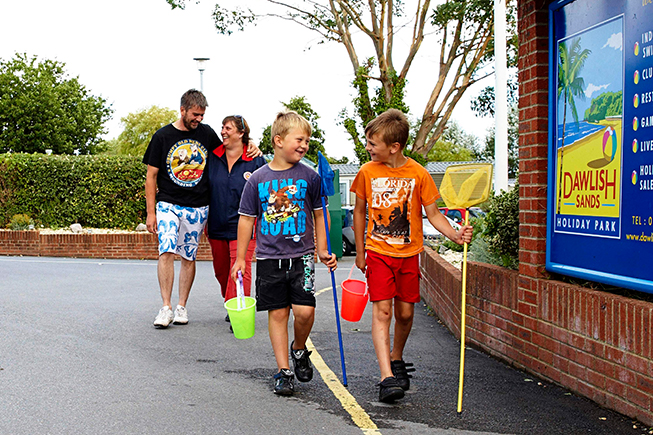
19	242
533	140
594	343
83	245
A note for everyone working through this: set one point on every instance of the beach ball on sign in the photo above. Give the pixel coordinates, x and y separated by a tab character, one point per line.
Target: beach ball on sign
636	77
636	49
609	144
634	177
634	145
636	101
635	121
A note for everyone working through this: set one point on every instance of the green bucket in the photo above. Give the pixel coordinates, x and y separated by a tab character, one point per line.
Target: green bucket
242	321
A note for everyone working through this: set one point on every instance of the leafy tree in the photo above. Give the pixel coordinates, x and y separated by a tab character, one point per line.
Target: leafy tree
570	85
464	29
266	141
483	105
299	105
454	145
139	128
42	108
502	227
606	104
334	161
487	153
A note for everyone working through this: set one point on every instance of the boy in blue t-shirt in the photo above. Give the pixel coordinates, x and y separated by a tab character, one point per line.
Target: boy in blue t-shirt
283	199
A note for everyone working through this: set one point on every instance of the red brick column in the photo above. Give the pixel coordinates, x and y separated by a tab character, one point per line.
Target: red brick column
533	146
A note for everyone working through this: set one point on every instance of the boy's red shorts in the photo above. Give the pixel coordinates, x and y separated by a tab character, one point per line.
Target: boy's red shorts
392	277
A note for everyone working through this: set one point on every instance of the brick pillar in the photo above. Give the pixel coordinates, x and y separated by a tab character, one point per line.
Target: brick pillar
533	147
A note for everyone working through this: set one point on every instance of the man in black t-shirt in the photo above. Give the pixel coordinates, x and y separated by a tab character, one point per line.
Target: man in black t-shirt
177	196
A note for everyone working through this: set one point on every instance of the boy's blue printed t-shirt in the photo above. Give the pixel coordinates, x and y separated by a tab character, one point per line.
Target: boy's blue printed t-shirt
283	203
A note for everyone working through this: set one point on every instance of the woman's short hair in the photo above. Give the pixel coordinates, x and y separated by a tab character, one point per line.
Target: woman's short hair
240	124
286	121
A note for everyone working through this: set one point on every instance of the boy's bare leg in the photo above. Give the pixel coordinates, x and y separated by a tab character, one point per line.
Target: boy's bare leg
404	313
186	278
381	319
304	317
165	269
278	330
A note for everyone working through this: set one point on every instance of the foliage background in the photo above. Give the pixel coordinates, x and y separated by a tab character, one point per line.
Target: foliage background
41	108
302	107
57	191
108	192
138	129
502	227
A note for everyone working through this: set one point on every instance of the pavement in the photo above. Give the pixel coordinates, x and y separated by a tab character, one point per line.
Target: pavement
79	355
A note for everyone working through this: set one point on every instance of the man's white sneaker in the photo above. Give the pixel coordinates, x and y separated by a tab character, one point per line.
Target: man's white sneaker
181	315
164	317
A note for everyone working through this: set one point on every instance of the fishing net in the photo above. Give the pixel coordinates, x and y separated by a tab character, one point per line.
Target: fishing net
466	185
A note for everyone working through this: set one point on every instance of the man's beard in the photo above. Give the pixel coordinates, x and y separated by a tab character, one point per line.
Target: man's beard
189	124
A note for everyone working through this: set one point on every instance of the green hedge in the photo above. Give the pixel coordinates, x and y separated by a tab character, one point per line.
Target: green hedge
56	191
502	227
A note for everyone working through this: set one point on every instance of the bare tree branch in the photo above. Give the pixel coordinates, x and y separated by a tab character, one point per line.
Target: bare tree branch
465	28
355	17
418	37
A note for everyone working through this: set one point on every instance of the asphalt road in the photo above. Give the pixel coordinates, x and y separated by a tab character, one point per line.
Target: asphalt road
79	355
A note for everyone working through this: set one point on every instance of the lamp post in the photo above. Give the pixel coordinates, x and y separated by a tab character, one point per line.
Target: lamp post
500	99
200	66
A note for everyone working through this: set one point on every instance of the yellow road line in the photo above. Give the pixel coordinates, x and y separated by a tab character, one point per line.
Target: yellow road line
319	292
348	402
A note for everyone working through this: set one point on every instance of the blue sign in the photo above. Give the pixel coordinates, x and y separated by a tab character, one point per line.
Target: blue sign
600	179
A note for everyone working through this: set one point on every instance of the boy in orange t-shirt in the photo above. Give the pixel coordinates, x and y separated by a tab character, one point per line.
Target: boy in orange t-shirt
393	189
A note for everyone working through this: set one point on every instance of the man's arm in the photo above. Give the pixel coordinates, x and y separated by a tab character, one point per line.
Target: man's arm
150	197
253	150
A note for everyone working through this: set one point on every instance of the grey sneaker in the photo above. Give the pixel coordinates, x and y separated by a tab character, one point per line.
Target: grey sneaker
164	317
283	383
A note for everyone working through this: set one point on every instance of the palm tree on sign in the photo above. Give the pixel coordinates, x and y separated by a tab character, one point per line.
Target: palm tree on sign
570	86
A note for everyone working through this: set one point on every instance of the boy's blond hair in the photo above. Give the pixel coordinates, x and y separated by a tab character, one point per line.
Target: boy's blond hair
391	125
286	121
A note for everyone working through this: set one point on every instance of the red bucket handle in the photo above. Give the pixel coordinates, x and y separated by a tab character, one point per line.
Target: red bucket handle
349	277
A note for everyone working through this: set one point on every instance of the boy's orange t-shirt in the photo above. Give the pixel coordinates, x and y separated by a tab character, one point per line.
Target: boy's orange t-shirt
394	198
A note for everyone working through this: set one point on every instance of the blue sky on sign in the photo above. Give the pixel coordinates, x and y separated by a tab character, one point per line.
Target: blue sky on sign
603	70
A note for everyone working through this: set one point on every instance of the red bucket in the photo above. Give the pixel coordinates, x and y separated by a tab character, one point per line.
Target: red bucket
354	298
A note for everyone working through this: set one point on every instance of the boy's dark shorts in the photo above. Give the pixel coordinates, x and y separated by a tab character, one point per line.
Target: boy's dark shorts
286	282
